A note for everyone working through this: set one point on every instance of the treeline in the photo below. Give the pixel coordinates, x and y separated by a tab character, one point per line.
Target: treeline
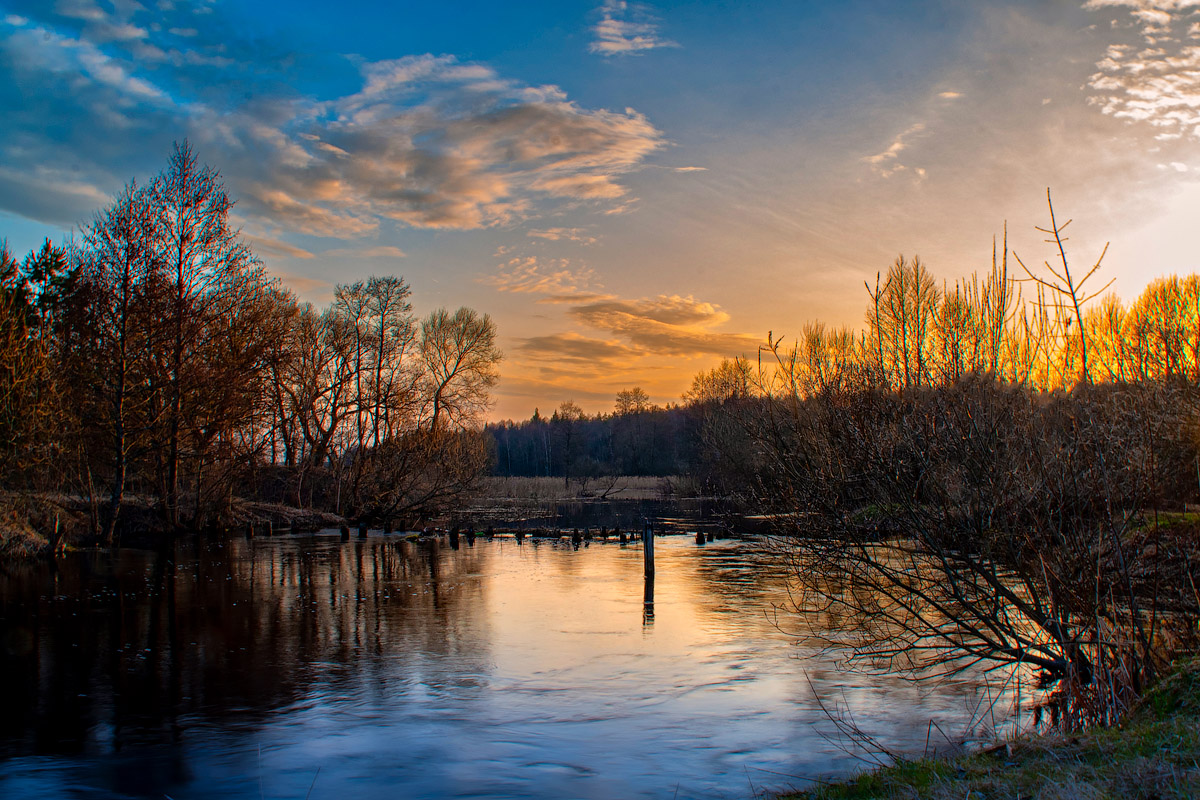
153	358
637	439
977	475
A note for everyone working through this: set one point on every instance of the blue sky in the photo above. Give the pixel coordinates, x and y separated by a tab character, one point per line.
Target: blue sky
632	190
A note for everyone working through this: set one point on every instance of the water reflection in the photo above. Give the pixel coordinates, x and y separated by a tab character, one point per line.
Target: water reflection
238	668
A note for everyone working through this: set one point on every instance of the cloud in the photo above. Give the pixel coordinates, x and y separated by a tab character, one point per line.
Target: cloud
266	246
426	141
529	275
379	251
626	28
576	235
434	143
573	347
1158	85
950	95
312	289
48	195
666	325
886	163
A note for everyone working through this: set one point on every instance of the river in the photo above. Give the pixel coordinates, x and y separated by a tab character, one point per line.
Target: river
305	666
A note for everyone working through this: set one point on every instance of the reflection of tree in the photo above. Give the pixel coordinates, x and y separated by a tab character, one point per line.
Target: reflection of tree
145	644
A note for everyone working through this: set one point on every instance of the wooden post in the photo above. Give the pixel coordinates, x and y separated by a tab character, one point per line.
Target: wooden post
699	537
345	532
362	530
648	549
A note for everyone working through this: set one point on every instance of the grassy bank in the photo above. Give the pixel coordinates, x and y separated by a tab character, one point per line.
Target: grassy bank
1154	754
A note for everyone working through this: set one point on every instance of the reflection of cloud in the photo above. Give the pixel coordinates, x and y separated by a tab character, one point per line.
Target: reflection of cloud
528	275
886	163
1158	85
626	28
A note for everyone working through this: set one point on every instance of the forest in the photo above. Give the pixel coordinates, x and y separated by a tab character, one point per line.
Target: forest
153	376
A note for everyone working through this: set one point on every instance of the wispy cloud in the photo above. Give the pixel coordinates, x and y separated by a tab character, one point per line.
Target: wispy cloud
585	350
1156	81
529	275
887	162
577	235
626	28
666	325
268	246
379	251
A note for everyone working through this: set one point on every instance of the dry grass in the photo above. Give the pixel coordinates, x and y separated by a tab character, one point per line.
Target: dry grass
624	487
1154	755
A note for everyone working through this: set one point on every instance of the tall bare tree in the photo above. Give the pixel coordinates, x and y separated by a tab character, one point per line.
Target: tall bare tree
204	266
461	361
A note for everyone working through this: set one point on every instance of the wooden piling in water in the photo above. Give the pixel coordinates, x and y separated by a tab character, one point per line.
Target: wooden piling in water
624	537
249	530
699	537
648	549
362	530
345	532
388	526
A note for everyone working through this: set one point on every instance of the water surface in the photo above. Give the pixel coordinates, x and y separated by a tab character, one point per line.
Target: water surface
383	668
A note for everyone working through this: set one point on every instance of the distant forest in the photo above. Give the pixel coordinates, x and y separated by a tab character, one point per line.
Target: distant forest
646	440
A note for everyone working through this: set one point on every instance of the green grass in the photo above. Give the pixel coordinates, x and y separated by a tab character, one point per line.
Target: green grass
1153	755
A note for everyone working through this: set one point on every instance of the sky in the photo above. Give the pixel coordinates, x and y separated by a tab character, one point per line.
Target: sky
632	191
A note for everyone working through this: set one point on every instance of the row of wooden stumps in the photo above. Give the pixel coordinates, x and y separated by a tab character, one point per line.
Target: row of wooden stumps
253	529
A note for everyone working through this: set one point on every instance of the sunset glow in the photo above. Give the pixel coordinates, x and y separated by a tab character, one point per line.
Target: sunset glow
632	191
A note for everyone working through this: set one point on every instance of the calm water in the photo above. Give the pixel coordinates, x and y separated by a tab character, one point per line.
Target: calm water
390	669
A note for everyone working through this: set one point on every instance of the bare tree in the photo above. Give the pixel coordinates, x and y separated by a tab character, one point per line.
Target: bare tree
1064	287
199	258
117	267
460	357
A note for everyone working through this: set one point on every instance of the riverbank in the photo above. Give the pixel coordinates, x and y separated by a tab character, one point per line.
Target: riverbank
1155	753
41	524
